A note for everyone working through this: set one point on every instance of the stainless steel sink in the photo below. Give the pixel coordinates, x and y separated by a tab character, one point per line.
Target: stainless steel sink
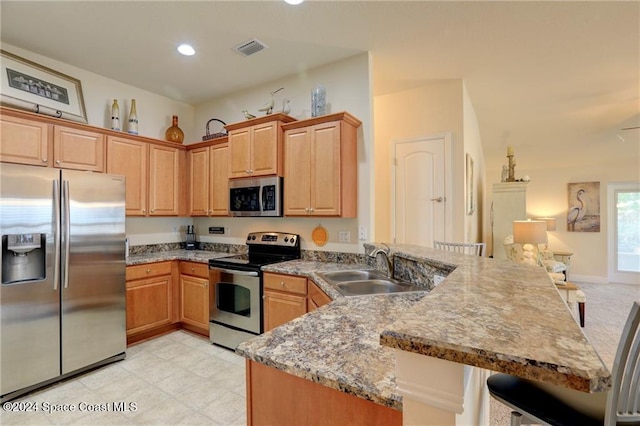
363	282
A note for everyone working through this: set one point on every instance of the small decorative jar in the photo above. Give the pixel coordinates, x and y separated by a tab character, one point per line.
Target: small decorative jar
318	101
115	116
133	119
174	133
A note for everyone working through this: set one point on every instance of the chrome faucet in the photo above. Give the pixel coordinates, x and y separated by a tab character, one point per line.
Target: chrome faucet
374	254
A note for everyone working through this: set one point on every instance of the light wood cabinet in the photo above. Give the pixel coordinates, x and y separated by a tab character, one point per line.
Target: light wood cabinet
129	157
149	297
24	141
316	298
278	398
164	180
320	173
153	174
209	180
39	143
287	297
194	296
255	146
78	149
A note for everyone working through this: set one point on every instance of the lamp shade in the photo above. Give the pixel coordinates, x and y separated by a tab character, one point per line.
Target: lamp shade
529	231
551	222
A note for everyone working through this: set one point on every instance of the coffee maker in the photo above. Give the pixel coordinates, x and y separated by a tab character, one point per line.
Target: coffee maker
190	238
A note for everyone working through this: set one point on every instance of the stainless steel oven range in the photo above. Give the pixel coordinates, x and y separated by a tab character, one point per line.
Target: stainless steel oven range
236	309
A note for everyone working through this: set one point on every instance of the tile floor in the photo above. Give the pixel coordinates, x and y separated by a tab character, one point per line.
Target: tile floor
175	379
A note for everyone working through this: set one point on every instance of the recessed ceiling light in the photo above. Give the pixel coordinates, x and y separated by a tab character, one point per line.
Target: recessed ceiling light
186	49
293	1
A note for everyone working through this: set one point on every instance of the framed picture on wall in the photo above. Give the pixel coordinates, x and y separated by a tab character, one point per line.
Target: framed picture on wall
583	214
471	198
27	85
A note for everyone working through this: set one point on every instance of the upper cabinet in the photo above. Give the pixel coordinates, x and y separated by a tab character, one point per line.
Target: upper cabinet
39	143
154	175
78	149
320	166
24	141
209	179
255	146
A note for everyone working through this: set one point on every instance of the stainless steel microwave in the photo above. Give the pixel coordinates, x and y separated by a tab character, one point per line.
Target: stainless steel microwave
259	196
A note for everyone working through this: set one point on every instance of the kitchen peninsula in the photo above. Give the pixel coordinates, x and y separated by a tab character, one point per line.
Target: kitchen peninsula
487	314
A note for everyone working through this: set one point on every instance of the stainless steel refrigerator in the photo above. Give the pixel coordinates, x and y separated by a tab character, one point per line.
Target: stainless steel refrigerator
62	291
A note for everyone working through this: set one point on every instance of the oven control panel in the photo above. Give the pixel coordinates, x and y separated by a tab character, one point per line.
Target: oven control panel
273	239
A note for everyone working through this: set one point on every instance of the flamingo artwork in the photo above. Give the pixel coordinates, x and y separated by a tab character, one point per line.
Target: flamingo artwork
576	213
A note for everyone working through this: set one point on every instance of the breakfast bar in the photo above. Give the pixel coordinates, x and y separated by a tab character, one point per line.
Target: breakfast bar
428	353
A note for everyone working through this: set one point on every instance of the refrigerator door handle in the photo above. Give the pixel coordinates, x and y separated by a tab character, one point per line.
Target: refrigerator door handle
56	209
67	230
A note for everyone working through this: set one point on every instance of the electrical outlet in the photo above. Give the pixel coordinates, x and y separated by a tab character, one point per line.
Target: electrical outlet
344	236
362	233
175	228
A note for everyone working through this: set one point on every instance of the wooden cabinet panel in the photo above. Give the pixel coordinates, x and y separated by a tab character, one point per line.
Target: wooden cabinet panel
286	283
320	175
148	270
278	398
209	180
240	151
280	308
24	141
194	309
219	180
325	169
194	268
148	303
316	297
129	157
199	182
78	149
297	192
164	181
264	149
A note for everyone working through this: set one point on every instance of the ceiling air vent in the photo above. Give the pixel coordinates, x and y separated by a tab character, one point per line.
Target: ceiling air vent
250	47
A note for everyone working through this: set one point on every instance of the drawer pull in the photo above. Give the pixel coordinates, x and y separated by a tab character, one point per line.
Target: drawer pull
148	271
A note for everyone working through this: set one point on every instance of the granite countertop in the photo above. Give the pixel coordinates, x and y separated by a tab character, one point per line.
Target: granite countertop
488	313
200	256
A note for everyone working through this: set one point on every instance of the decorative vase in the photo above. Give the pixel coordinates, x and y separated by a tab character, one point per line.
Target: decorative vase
115	116
318	101
174	133
133	119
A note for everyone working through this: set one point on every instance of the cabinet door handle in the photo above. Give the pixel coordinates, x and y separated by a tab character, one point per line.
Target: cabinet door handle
282	283
148	271
312	209
44	160
57	161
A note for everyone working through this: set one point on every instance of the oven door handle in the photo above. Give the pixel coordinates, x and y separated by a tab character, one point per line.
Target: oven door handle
236	272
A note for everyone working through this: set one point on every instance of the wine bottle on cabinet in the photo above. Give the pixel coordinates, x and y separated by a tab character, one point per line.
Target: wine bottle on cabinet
133	119
115	116
174	133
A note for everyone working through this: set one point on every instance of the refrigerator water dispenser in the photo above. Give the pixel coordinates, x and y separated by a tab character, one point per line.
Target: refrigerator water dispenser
23	258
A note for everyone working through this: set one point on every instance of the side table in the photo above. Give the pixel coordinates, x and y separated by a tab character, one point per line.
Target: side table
564	257
571	294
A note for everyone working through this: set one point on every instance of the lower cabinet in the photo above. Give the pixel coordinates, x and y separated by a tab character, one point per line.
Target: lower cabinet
287	297
195	294
150	300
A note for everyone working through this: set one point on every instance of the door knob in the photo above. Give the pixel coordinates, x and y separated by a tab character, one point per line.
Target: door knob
438	200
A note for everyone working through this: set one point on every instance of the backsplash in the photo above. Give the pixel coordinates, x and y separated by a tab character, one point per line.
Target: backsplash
311	255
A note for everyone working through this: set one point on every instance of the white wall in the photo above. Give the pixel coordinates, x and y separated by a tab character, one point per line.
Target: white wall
473	146
154	111
347	85
547	196
428	109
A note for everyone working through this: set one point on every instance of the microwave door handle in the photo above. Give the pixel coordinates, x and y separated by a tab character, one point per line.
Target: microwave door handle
236	272
263	198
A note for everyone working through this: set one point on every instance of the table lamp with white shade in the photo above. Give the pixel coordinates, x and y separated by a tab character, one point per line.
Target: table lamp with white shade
530	233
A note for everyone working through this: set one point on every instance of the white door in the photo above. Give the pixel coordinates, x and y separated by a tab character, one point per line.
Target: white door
420	190
624	232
